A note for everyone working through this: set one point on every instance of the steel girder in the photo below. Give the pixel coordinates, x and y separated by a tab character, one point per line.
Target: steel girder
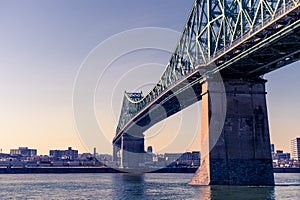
214	30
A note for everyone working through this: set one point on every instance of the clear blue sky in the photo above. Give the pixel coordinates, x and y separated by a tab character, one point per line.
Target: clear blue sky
43	43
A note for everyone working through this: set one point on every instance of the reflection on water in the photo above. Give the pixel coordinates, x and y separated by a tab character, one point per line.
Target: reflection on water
137	186
241	192
128	186
234	192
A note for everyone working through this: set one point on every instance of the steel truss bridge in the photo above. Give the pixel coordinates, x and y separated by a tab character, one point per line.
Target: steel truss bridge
236	38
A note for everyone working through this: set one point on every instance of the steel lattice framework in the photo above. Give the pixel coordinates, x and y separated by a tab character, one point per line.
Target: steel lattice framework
220	33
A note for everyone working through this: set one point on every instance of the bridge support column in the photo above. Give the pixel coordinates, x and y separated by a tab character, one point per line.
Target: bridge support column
116	154
241	154
132	151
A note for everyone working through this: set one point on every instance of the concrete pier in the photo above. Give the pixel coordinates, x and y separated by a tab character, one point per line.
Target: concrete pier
132	151
240	153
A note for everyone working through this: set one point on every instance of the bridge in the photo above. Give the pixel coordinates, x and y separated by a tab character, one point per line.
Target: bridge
224	51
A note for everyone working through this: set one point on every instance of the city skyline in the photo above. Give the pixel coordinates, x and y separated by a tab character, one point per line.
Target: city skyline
41	54
147	148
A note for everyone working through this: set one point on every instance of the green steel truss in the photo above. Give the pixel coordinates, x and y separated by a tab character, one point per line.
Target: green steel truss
213	29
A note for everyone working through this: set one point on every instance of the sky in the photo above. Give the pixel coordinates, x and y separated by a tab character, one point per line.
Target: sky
43	46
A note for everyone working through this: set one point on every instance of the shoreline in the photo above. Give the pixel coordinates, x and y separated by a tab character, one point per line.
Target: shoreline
68	170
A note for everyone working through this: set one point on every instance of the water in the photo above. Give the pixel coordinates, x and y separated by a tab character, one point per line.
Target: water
131	187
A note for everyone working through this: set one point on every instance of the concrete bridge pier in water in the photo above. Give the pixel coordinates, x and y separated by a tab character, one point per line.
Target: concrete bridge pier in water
241	153
130	152
235	137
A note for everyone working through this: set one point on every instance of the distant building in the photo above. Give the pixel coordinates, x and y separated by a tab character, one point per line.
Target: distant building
24	151
159	158
196	157
190	159
172	157
295	149
282	156
149	156
56	153
4	155
272	148
185	159
104	158
279	151
149	149
69	154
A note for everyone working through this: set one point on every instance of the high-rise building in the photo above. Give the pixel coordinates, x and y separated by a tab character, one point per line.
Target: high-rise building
295	149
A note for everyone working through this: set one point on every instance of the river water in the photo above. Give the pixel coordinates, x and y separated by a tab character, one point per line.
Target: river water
131	187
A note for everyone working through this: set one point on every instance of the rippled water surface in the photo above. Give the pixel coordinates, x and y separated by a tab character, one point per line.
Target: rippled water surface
148	186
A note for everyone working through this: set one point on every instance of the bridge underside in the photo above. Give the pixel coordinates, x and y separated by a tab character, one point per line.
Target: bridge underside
269	49
170	103
262	53
130	153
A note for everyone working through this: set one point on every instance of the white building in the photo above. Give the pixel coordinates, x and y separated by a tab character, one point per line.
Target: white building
295	149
